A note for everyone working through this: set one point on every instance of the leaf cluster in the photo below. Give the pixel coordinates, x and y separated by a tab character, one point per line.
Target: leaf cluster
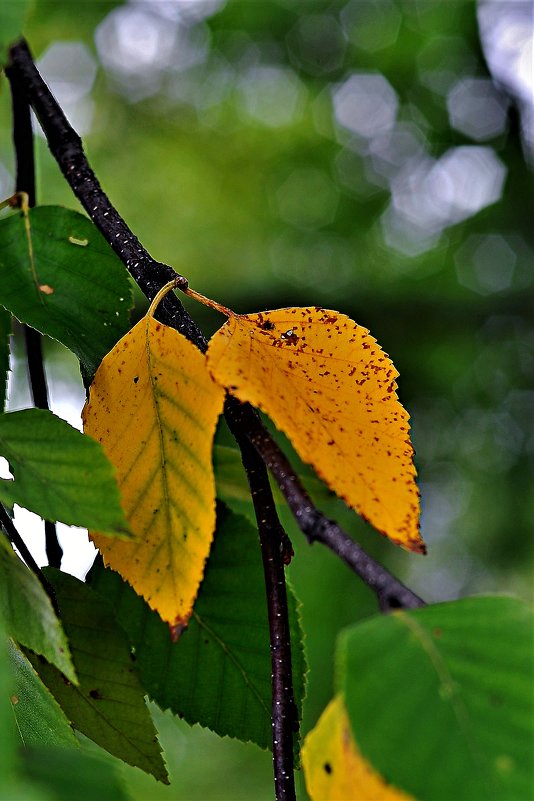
446	685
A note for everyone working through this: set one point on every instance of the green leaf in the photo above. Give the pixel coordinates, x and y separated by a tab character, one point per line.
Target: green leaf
28	614
60	276
40	719
7	749
12	16
218	674
60	771
108	705
5	331
440	699
59	473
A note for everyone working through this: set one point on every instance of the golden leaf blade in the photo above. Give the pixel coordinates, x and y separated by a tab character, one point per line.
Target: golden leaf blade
154	407
334	768
327	384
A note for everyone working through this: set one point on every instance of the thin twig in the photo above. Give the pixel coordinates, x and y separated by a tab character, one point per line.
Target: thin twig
67	149
25	182
273	549
17	541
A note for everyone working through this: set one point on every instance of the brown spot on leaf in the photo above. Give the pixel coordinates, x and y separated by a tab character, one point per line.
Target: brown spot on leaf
290	336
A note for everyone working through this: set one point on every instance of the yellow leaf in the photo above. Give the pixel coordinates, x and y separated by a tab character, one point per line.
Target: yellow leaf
328	385
154	408
334	768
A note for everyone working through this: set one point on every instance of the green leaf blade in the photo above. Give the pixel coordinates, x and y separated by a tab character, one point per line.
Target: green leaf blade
218	674
28	614
440	698
59	473
108	706
61	277
40	719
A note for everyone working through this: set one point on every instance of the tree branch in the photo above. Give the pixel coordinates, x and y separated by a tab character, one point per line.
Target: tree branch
391	593
273	543
67	149
150	275
25	182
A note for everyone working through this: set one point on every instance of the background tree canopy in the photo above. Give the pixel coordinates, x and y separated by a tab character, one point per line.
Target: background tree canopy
370	156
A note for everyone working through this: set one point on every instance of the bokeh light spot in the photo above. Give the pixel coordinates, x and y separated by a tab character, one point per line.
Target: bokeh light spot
359	19
507	37
366	104
465	180
139	44
485	264
70	71
477	109
317	44
272	95
427	196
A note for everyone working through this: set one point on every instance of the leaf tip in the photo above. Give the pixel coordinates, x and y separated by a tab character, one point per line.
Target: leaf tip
177	628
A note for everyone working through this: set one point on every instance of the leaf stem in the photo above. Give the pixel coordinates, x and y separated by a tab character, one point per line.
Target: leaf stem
179	281
209	302
25	187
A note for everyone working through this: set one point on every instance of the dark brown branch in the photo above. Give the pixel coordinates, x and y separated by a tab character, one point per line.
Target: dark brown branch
22	138
150	275
391	593
66	147
273	543
34	355
25	182
17	541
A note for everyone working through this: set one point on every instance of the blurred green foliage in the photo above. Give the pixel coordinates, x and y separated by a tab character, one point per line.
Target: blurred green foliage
355	155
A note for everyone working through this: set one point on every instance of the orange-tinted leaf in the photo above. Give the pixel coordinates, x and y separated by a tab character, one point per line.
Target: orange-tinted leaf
334	768
327	384
154	408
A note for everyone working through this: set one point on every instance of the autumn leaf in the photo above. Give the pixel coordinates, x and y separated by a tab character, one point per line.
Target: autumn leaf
327	384
154	408
333	766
